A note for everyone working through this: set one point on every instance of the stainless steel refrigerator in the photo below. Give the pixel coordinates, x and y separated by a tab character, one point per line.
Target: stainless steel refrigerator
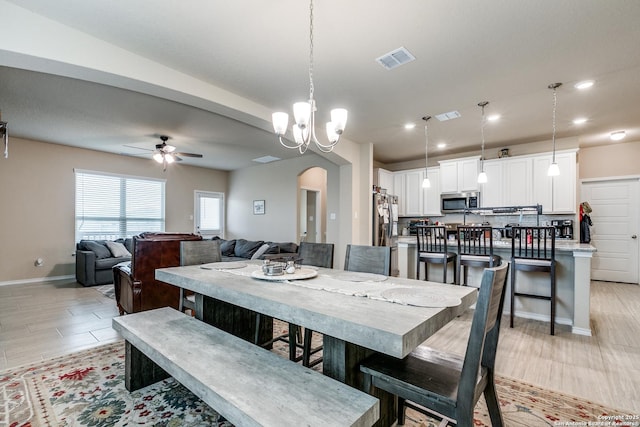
385	225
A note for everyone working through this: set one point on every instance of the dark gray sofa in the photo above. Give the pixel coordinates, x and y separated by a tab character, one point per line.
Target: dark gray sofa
242	249
94	261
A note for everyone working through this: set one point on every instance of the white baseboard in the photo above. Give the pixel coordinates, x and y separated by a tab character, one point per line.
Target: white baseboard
541	317
37	279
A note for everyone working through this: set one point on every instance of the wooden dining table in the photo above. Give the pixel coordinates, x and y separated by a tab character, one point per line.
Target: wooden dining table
358	313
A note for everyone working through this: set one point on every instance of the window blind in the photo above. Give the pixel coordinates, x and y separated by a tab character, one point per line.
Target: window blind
110	206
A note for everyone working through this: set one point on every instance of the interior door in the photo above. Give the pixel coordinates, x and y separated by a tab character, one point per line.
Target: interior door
614	233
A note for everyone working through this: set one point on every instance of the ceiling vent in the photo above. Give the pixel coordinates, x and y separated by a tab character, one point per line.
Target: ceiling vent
448	116
266	159
395	58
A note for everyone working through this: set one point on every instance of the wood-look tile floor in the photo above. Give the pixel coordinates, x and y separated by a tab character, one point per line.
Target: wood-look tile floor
42	320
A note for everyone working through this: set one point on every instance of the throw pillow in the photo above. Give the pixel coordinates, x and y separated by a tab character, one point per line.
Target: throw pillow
227	247
100	250
288	248
246	248
118	250
273	248
261	251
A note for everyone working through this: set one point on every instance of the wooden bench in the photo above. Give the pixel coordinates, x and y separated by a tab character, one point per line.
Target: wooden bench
245	383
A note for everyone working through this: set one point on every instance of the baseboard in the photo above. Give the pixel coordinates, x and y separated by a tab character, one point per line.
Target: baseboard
37	279
541	317
581	331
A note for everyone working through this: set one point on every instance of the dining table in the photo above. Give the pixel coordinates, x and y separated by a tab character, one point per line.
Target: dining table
359	314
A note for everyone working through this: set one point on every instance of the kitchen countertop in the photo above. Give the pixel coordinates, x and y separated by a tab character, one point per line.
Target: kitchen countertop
561	245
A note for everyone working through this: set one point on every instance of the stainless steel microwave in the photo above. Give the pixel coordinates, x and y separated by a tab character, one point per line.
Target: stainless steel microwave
458	202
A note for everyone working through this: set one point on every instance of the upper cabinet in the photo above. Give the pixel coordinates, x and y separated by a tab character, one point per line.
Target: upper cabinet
431	195
459	175
385	180
556	194
492	191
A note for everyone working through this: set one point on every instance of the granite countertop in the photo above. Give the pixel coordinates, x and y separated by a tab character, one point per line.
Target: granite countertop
561	245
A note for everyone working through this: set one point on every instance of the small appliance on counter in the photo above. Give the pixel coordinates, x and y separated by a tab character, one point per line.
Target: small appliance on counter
564	228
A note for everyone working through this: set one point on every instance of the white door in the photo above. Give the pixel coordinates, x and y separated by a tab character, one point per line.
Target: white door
209	213
614	233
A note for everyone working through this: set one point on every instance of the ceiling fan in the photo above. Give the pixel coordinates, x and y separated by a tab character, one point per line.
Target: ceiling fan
167	154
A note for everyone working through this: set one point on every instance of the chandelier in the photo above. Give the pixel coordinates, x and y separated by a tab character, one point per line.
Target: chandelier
482	176
4	135
554	170
304	115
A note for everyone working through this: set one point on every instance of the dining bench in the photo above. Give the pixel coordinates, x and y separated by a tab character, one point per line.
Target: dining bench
248	385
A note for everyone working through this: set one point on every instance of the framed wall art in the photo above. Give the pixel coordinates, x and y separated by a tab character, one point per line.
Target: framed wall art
258	207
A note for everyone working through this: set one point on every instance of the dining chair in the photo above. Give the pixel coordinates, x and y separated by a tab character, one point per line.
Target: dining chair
319	255
475	249
195	252
432	249
368	259
534	249
445	384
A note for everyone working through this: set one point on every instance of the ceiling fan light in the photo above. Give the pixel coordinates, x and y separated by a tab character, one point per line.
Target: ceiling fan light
169	158
158	157
280	122
554	170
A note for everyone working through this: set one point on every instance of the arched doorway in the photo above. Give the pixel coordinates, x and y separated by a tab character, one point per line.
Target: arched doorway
312	205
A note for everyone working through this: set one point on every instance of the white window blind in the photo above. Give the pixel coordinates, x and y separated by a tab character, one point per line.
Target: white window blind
110	206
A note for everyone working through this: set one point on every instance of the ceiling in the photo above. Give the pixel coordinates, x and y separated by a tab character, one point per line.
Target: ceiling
503	51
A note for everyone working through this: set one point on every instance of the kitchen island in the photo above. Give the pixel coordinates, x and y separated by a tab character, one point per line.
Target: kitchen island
573	281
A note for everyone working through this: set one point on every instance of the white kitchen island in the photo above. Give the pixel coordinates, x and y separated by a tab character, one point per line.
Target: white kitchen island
573	275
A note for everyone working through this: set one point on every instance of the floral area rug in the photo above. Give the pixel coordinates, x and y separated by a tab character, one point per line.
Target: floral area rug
87	389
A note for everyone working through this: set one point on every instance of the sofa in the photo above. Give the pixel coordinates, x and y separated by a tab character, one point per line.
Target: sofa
136	287
242	249
96	258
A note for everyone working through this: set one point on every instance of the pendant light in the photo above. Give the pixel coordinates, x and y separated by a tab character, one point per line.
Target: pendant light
482	177
554	170
425	182
305	114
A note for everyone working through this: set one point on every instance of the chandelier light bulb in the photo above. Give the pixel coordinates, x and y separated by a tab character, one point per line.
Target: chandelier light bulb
280	122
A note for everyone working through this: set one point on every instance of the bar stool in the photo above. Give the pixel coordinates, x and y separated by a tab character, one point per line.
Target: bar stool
534	249
475	249
432	249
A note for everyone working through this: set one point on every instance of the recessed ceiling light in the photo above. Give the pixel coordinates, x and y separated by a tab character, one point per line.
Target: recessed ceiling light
493	117
441	145
409	126
585	84
618	135
579	120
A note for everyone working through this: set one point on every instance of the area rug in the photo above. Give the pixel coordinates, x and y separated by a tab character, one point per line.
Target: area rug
87	389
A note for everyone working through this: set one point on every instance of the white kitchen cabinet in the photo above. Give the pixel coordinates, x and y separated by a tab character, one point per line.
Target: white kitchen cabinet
413	192
556	194
398	190
385	180
492	191
518	178
431	195
459	175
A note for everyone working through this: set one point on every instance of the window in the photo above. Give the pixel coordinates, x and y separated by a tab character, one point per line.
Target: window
209	208
110	206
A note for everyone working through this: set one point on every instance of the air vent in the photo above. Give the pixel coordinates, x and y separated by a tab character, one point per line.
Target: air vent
448	116
266	159
395	58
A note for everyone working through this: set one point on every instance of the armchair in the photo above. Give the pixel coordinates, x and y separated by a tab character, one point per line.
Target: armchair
135	285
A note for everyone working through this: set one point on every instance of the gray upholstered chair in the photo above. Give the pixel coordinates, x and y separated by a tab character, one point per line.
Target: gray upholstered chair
368	259
444	383
534	249
194	253
432	249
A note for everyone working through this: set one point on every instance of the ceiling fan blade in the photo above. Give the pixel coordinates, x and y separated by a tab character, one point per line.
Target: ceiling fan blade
137	148
189	155
176	158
